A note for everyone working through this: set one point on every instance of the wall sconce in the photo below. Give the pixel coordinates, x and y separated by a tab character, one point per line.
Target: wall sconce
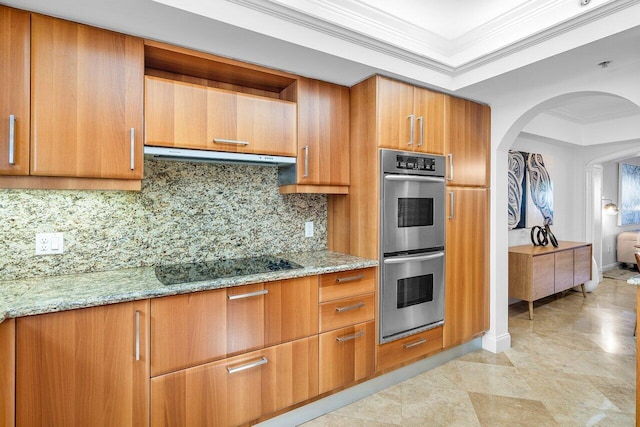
610	208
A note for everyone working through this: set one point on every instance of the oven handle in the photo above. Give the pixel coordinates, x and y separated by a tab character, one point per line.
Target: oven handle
413	178
399	260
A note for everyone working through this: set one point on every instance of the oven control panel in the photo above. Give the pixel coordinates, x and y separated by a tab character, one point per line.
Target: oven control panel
416	163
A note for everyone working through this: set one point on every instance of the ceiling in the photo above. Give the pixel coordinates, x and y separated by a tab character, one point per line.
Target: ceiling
464	47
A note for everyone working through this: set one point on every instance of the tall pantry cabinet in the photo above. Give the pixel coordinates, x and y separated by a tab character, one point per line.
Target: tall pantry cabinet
467	145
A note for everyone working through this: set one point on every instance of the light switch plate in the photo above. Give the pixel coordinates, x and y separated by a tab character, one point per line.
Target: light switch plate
49	243
308	229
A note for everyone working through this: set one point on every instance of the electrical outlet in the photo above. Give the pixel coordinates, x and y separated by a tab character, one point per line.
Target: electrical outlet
49	243
308	229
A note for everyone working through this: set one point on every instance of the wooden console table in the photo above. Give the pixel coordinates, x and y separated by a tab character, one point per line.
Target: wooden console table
539	271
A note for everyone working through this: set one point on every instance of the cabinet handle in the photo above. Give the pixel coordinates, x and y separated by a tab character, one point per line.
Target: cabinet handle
350	337
137	335
249	295
306	161
229	141
414	344
349	279
132	137
452	204
421	120
411	118
349	308
450	176
12	139
262	361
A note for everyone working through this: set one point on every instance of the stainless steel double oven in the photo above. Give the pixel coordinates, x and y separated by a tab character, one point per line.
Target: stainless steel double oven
411	243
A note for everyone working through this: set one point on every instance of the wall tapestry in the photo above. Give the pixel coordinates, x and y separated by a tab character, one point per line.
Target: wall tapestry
629	197
530	190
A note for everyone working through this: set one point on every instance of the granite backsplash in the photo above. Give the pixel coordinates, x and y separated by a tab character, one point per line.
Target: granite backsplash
185	212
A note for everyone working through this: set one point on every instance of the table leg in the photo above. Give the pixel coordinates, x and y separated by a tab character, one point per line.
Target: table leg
530	310
584	295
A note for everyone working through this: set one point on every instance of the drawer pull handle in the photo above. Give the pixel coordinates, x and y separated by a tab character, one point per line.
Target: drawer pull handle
413	344
411	118
349	308
229	141
262	361
350	279
450	176
421	120
132	147
12	139
137	345
350	337
249	295
306	161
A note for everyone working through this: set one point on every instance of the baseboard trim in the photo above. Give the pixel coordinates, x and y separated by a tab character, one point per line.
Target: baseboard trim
496	344
338	400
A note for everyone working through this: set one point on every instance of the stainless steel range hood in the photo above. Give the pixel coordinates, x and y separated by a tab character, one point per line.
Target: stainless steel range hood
187	155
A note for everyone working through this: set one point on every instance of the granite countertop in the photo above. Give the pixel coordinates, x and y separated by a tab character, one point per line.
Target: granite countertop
57	293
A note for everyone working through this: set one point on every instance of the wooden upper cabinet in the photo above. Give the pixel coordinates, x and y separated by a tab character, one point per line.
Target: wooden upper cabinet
186	115
467	142
323	133
15	38
84	367
467	265
86	101
409	118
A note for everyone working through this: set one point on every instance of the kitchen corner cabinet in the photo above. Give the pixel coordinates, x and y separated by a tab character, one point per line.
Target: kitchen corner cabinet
466	265
467	142
323	140
7	372
539	271
86	101
186	115
409	118
84	367
15	38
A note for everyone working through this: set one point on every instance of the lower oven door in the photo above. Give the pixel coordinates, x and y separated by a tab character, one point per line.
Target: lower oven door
412	295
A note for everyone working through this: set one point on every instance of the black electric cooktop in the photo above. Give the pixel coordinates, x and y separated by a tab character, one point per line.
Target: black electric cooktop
209	270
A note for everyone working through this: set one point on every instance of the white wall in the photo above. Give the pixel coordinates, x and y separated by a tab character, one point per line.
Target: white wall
568	188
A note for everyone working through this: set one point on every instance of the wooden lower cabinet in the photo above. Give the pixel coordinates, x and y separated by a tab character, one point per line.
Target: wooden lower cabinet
86	367
7	372
237	390
408	349
346	355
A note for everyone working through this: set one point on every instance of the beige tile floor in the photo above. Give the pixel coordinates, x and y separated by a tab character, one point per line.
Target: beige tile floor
573	365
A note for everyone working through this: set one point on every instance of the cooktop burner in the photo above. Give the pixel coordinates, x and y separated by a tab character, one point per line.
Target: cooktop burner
209	270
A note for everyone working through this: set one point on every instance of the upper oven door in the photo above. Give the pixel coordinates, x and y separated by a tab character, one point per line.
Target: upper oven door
413	213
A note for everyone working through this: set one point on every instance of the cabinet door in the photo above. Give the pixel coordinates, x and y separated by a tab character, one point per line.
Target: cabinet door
86	101
245	318
235	391
267	126
467	265
7	372
84	367
582	265
323	133
563	270
291	309
467	142
429	117
543	276
15	36
346	355
395	115
185	331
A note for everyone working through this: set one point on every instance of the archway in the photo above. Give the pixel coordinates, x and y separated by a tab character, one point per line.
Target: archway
514	116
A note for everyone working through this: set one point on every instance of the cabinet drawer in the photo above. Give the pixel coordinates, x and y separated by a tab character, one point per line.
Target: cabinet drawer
347	311
408	348
347	283
234	391
346	355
